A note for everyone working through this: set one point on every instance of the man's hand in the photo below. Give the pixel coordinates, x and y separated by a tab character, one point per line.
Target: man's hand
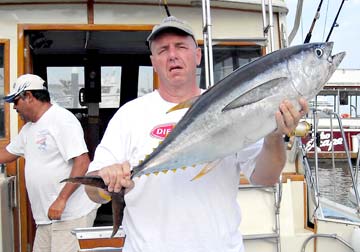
288	117
56	209
117	176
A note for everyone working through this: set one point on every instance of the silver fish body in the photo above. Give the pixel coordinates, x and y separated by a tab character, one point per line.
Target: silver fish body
240	109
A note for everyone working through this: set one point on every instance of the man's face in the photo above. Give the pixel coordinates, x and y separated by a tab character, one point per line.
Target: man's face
175	58
21	105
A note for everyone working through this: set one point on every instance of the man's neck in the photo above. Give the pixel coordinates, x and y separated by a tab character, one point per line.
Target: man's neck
43	107
178	95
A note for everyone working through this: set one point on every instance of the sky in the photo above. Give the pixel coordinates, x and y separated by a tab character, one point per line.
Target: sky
346	36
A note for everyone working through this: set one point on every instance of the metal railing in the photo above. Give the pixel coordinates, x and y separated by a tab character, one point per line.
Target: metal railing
312	181
275	235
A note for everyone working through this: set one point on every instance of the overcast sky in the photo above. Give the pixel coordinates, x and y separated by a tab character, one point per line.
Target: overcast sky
346	36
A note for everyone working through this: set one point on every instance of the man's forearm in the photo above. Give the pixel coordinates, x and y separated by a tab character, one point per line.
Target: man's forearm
270	161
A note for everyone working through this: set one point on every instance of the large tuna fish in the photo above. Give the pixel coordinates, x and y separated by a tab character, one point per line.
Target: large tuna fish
240	109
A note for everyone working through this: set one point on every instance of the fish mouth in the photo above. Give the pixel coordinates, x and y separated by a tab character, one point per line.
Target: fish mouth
337	58
334	59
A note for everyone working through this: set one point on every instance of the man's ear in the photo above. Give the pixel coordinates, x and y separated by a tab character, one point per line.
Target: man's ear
198	56
152	63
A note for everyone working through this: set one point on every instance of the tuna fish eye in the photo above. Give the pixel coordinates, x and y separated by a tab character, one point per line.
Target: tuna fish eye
319	52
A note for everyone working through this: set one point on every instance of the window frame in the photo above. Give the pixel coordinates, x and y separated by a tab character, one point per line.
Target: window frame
6	139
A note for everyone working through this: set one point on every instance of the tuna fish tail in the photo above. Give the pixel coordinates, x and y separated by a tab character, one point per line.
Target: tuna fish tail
117	203
118	206
87	180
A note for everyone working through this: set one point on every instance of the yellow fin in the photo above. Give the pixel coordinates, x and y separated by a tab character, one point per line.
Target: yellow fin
174	170
208	167
182	105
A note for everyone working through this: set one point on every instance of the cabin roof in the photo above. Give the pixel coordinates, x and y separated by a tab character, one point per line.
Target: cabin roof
278	5
343	80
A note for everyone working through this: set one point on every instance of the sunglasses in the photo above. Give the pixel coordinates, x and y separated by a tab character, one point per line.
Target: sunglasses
20	96
16	100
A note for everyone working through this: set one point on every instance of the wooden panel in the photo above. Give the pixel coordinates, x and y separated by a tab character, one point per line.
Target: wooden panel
327	155
105	242
284	177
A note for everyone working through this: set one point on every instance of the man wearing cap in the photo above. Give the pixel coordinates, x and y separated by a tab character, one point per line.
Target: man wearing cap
53	146
169	212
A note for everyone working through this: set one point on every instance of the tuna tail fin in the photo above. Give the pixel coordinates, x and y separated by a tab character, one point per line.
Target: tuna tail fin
185	104
118	206
96	181
117	203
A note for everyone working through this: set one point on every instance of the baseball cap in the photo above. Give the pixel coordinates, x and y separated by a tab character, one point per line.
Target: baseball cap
168	23
23	83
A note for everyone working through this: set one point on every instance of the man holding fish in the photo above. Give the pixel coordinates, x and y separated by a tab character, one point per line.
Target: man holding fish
169	210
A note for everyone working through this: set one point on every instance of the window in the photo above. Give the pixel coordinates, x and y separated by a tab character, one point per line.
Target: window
145	84
227	59
2	92
64	84
110	86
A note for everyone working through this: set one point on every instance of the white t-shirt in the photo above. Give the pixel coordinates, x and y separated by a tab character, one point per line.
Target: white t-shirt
169	212
48	147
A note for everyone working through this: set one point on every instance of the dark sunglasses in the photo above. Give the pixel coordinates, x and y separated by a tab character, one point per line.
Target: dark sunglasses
17	98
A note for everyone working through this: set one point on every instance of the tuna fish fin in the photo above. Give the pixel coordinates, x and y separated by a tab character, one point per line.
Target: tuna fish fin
207	168
256	94
118	205
96	181
185	104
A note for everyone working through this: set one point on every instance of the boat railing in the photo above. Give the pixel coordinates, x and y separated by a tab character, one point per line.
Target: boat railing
330	236
275	235
348	155
357	162
313	180
7	205
268	33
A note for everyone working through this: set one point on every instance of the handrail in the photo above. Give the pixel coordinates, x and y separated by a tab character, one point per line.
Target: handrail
208	51
277	191
313	182
268	28
333	236
353	179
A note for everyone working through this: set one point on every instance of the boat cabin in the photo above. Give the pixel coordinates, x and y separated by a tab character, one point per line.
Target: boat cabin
93	56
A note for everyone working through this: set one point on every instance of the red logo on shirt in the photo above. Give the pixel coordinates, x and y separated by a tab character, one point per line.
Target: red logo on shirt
161	131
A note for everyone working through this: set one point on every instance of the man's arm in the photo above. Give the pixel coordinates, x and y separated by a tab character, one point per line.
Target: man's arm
272	157
80	167
6	157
